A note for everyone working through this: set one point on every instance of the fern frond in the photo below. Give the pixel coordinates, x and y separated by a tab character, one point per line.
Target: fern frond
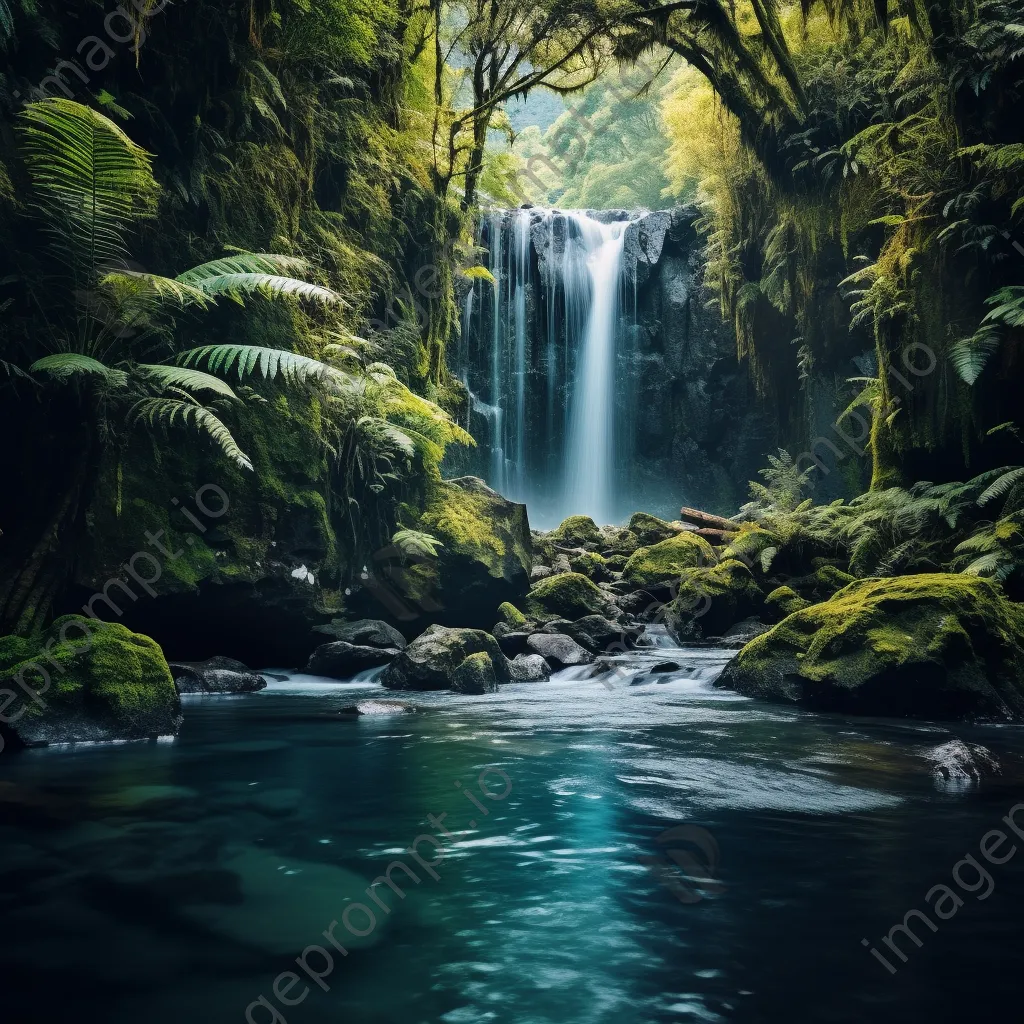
187	378
89	180
62	366
1002	485
271	363
969	356
170	412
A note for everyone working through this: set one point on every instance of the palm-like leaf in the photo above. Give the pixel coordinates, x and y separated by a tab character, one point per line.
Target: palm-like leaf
65	365
270	362
970	355
89	180
245	263
170	412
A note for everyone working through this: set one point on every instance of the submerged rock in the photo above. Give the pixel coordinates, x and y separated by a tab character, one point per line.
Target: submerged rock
529	668
376	707
98	681
558	650
568	595
475	675
667	560
363	633
929	646
430	661
215	675
342	660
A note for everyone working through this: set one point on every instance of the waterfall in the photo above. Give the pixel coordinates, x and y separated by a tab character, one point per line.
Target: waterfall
545	354
592	433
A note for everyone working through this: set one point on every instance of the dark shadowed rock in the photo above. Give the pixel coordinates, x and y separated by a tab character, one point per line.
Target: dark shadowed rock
558	650
363	633
513	643
215	675
529	668
430	661
598	633
343	660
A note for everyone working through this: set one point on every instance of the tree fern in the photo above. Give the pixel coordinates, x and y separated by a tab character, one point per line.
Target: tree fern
170	412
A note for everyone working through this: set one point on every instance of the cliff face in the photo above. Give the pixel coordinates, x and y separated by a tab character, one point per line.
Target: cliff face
688	427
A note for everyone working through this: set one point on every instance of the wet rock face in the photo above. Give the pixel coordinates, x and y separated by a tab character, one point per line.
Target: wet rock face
215	675
558	650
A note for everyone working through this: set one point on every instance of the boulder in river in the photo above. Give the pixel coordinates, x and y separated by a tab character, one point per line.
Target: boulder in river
215	675
559	650
936	645
529	668
342	660
372	708
430	661
475	675
97	681
363	633
598	633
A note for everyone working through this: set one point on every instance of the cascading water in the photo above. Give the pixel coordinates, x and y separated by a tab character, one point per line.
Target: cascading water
592	433
538	355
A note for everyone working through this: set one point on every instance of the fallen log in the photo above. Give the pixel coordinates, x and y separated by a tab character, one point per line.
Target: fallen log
706	519
715	536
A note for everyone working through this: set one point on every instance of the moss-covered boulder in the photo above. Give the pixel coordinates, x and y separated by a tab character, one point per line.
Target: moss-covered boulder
430	661
475	675
486	556
712	598
576	531
511	615
928	646
783	601
589	564
650	529
667	560
85	680
569	595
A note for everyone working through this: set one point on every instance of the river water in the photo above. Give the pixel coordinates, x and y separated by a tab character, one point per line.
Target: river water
174	881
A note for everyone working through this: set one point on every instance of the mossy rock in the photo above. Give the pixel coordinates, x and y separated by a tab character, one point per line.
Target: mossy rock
487	554
929	646
710	599
650	529
431	660
475	675
575	532
666	561
511	615
783	601
589	564
95	681
569	595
